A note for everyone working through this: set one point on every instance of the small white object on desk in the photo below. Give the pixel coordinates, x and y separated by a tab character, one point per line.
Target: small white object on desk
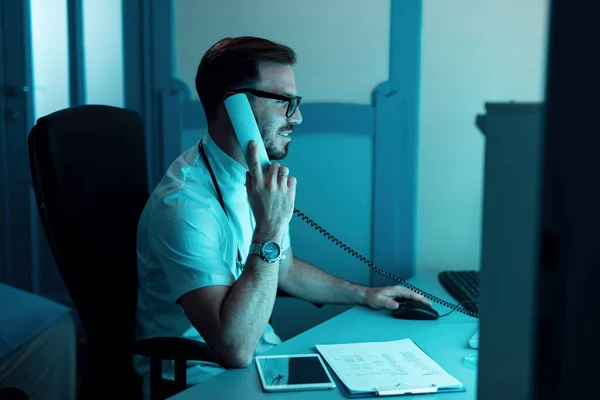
474	341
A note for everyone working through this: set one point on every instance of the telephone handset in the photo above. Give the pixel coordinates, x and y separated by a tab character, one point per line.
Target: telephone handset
244	124
245	127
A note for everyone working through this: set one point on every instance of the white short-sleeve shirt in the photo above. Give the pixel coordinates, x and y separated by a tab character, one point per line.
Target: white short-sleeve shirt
186	241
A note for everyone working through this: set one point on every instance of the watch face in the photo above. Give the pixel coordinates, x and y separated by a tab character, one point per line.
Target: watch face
271	250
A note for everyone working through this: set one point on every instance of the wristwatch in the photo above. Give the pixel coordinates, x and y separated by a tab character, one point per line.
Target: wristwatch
268	251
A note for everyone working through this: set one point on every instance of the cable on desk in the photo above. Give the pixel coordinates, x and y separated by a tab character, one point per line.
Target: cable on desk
461	303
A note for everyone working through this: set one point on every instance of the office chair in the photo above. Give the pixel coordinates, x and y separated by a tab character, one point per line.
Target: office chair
12	393
88	165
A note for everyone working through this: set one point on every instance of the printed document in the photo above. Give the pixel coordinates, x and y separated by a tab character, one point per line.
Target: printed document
386	366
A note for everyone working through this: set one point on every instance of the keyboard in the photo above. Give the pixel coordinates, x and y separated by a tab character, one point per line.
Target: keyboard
463	286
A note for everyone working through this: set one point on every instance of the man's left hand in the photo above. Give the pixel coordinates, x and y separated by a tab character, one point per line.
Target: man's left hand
385	297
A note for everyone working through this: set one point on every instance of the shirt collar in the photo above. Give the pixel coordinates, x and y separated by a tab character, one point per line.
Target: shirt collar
222	164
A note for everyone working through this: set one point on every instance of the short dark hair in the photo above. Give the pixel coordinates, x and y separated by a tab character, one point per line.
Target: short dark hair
232	63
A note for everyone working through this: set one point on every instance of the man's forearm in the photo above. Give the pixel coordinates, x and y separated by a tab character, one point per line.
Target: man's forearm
317	286
248	306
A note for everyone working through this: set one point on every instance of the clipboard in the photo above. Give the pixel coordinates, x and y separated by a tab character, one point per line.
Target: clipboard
393	392
336	357
387	393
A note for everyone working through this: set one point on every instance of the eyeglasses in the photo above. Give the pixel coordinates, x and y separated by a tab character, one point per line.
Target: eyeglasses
293	102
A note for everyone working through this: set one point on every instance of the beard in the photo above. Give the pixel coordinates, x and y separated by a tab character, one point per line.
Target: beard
275	149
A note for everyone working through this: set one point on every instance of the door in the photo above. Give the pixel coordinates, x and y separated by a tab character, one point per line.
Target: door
60	53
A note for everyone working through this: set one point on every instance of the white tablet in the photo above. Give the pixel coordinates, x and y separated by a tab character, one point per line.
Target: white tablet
292	372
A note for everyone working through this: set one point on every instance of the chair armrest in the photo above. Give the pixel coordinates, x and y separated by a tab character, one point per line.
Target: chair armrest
173	348
283	293
12	393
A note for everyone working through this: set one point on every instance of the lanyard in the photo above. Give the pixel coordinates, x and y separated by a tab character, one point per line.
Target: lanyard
214	179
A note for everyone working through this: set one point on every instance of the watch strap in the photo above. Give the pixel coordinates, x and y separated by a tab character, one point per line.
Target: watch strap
255	249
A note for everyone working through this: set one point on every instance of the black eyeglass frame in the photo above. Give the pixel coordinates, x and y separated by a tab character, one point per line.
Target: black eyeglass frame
293	102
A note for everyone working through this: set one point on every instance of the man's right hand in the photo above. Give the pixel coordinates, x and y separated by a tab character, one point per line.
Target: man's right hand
271	196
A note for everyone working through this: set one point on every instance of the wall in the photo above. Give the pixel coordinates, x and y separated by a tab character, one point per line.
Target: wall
472	52
342	45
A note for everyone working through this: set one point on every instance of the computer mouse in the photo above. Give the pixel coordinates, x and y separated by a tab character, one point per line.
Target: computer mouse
410	309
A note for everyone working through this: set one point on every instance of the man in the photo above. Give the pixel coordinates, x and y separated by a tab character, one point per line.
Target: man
199	275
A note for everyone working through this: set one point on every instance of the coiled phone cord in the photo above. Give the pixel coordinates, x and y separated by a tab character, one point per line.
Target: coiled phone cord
365	260
338	242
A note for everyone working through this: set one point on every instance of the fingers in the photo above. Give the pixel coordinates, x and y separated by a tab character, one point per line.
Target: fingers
248	183
278	176
282	176
255	168
291	183
409	294
390	303
406	294
273	175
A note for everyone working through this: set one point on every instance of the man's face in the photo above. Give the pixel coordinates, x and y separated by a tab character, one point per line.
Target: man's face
275	127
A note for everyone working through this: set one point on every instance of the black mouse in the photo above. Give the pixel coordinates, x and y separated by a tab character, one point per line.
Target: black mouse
410	309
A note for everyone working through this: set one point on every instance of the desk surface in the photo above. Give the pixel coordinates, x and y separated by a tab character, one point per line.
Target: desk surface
445	340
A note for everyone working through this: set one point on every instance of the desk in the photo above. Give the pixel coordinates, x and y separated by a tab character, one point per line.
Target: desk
445	340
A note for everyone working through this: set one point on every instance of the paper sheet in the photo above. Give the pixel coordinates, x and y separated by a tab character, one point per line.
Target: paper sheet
400	364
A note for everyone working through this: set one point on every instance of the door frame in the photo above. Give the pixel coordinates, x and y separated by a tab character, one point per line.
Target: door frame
15	46
396	148
3	164
149	85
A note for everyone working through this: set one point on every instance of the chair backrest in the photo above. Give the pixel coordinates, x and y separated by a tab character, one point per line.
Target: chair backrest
89	171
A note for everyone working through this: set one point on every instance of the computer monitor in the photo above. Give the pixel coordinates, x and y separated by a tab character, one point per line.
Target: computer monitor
540	255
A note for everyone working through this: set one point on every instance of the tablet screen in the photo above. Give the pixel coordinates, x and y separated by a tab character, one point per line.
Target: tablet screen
293	370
